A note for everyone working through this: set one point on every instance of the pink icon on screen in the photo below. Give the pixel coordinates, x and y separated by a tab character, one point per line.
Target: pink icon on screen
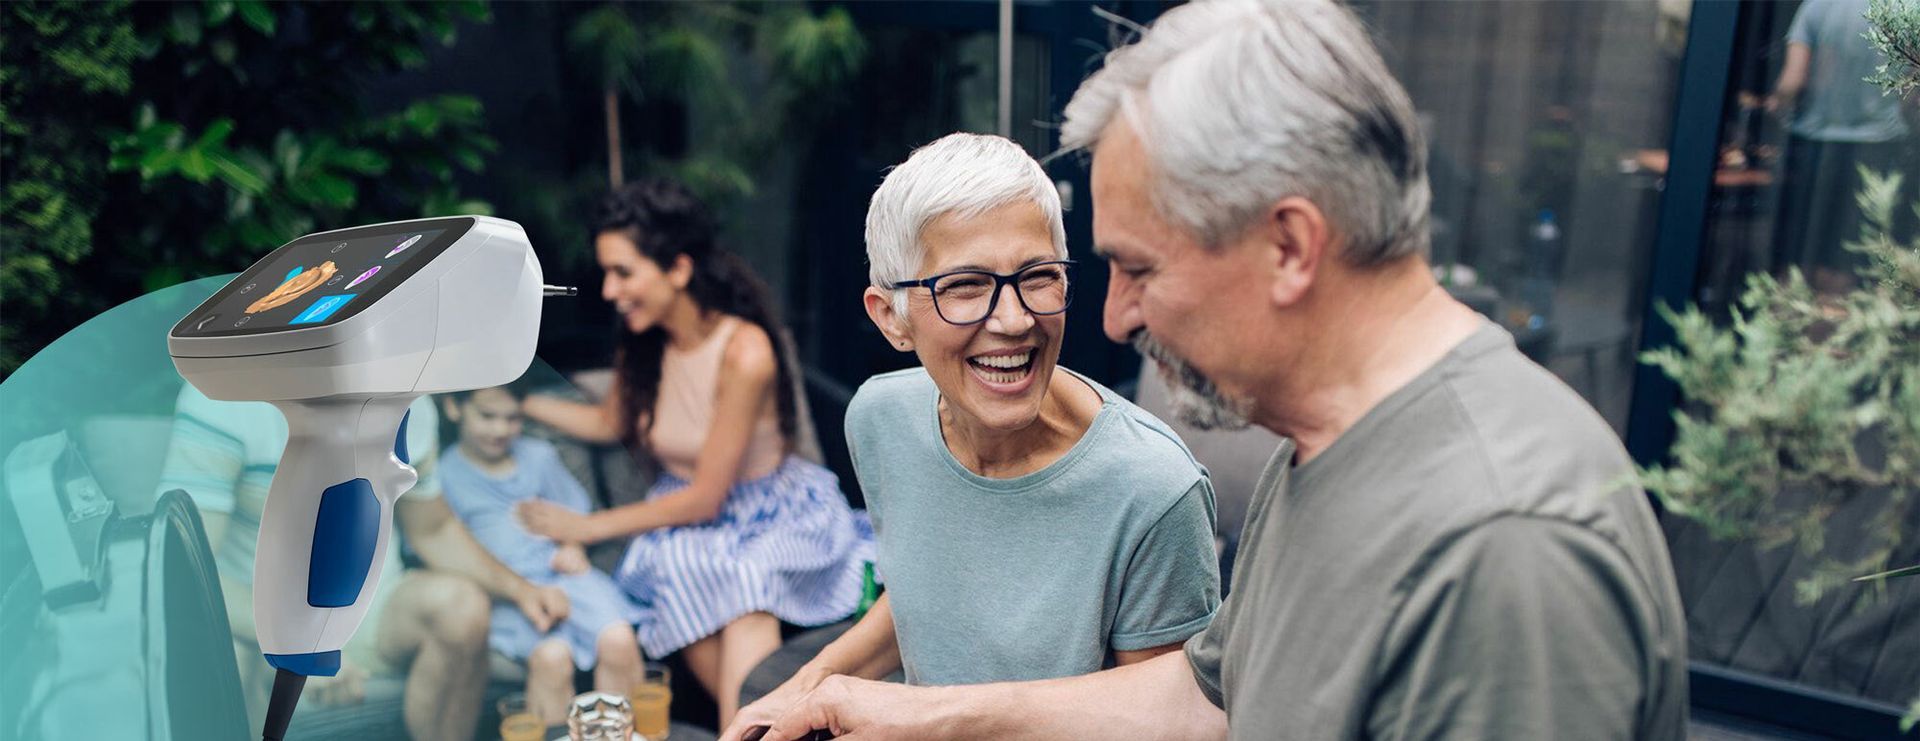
404	245
364	276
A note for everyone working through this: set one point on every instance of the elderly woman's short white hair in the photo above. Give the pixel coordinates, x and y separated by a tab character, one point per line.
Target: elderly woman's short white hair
960	174
1239	103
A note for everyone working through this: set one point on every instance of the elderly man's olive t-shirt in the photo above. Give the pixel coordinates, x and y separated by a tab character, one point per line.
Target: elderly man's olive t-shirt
1467	561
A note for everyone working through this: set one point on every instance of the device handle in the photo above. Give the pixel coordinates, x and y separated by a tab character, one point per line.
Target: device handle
325	527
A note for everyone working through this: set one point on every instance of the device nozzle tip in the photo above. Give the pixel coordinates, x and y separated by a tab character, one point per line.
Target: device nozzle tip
552	290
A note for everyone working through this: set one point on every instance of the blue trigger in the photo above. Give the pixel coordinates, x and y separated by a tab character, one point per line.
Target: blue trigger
400	441
324	664
345	532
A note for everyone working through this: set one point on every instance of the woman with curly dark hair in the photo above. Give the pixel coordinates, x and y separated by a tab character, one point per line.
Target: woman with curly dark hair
738	533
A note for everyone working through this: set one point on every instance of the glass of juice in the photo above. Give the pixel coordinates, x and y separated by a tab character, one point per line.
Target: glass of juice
517	720
650	699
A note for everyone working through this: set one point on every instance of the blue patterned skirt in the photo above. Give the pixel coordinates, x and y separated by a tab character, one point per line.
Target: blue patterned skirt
786	544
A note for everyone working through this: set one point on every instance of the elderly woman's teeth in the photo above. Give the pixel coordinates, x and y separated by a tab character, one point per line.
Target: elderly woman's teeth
1002	368
1004	361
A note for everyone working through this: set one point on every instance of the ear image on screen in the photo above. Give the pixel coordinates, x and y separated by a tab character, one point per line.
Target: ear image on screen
295	287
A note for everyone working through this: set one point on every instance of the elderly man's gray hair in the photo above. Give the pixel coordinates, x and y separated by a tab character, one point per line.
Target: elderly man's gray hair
960	174
1240	103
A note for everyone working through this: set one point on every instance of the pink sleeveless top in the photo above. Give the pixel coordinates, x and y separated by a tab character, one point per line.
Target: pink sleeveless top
683	414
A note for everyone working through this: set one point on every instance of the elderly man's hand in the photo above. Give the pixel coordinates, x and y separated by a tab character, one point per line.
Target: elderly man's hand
864	709
767	710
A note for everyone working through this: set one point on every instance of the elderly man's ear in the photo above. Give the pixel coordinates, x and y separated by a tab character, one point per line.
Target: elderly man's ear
892	325
1292	242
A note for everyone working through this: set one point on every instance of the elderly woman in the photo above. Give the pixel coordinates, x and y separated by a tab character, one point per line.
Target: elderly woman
1031	523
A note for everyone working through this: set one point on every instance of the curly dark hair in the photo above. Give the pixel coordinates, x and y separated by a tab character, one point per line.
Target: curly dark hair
665	220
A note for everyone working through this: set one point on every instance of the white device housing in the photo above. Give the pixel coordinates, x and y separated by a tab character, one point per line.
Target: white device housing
469	318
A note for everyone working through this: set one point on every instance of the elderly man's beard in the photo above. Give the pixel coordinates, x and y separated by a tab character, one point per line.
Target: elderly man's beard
1196	401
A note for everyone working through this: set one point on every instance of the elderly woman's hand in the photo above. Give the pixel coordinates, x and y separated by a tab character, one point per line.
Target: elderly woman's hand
554	521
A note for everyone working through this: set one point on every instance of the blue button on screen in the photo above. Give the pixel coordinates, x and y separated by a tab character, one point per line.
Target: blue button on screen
322	309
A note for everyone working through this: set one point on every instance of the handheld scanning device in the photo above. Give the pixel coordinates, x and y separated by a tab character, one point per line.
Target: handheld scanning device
342	330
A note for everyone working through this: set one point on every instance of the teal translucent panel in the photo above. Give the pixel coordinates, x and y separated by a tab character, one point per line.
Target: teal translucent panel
118	613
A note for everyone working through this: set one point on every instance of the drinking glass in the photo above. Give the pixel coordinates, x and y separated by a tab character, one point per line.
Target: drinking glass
517	720
651	698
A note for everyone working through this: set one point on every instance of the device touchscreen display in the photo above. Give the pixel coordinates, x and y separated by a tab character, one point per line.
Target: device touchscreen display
320	280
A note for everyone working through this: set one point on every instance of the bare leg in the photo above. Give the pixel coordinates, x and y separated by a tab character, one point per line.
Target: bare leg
743	644
439	622
703	657
550	680
619	666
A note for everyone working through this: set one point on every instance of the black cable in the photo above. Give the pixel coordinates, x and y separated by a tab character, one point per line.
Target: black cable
286	694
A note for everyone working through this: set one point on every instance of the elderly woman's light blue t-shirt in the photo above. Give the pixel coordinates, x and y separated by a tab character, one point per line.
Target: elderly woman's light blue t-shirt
1108	549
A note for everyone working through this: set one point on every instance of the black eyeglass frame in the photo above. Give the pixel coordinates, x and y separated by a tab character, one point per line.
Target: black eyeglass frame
999	282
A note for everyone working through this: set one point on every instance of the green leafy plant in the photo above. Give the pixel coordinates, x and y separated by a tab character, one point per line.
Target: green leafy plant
58	63
1783	398
148	143
1895	33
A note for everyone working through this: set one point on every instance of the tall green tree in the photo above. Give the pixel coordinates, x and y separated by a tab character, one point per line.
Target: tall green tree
608	44
721	87
748	74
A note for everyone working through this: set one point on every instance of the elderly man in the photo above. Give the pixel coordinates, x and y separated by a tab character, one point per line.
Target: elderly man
1446	547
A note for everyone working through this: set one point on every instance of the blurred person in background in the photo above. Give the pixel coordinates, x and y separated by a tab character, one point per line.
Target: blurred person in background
738	533
1839	123
1032	523
429	625
1446	545
489	470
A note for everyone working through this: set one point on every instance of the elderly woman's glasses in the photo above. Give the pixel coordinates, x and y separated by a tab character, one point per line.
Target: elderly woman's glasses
969	296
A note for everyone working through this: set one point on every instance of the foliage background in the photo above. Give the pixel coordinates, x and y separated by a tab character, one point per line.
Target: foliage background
152	142
143	144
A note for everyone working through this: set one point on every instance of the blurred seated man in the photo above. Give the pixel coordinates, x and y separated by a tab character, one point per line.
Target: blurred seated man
428	624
